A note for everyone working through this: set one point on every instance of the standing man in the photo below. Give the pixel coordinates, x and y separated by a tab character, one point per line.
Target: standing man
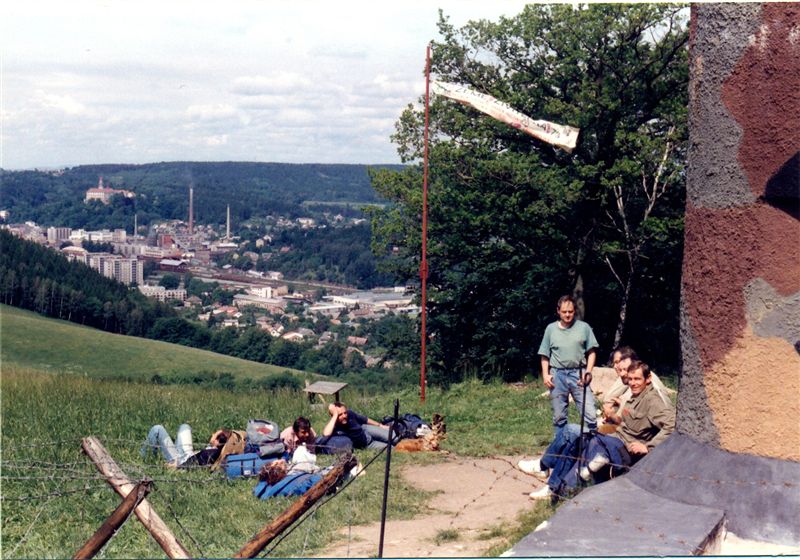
569	346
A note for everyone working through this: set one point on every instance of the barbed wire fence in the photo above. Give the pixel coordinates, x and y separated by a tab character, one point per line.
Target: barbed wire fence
23	481
76	480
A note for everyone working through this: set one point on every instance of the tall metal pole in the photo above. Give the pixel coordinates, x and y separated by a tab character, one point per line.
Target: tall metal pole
386	475
423	267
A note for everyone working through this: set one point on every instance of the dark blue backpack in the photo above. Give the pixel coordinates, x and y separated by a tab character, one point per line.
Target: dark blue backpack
406	426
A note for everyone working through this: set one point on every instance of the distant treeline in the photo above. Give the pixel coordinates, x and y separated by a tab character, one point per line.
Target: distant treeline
395	336
40	279
162	192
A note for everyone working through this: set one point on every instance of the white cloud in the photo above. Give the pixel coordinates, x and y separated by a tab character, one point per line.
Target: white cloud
211	112
92	81
218	140
61	103
266	85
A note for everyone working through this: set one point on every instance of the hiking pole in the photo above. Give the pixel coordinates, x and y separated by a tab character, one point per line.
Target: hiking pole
583	414
386	475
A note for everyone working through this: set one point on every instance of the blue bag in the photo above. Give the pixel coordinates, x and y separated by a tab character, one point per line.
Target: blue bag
245	464
295	484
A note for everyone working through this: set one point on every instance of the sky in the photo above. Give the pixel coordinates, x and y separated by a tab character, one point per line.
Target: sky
299	81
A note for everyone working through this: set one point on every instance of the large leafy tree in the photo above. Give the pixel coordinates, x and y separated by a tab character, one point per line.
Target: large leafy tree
515	222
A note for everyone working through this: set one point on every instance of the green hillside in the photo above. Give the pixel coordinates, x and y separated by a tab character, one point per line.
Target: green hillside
30	340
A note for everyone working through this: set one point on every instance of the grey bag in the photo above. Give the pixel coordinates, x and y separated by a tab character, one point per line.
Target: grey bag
264	438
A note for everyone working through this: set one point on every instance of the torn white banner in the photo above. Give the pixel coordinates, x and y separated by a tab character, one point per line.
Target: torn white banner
559	135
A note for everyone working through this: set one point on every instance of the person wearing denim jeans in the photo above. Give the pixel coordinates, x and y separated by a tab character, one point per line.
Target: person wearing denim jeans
569	347
174	452
181	451
566	382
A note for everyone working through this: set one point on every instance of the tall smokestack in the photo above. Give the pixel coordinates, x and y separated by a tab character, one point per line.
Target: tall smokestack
191	209
228	230
135	224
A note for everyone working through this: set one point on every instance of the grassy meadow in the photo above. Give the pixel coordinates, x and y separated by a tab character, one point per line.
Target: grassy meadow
31	340
54	499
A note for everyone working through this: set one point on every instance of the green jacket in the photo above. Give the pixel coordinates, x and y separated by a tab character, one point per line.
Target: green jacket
646	418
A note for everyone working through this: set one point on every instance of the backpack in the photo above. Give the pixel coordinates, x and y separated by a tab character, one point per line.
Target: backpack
234	445
406	426
264	438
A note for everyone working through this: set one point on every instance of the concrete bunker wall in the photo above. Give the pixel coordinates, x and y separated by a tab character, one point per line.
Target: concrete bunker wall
740	311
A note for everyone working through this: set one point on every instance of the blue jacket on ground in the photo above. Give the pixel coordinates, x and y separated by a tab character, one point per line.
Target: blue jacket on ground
295	484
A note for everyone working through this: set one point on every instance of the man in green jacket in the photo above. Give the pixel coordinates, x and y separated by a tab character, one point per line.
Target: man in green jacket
646	421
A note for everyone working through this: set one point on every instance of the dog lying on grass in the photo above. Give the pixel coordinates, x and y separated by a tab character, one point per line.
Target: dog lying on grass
429	442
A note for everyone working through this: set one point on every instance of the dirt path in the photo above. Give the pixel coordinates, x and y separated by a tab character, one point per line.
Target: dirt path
475	496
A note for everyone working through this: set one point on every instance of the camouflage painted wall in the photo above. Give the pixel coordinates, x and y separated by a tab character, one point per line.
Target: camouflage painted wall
740	317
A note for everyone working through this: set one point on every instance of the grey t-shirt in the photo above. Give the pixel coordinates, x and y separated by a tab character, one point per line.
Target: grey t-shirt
567	348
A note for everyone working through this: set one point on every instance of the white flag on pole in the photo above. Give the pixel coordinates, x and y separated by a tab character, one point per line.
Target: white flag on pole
559	135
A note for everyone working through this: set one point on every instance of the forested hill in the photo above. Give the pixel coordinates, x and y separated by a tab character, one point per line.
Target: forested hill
43	280
162	191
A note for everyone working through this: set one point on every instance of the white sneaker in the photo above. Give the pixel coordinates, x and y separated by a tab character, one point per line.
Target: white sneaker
533	467
358	470
598	463
585	473
542	493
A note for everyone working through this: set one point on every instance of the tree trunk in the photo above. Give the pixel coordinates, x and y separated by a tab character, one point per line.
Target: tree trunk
623	306
577	295
623	313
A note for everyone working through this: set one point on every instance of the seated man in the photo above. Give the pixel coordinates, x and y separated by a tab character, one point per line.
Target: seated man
646	422
619	393
348	429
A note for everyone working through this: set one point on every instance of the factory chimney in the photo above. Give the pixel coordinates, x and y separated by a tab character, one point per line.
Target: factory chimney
191	209
228	230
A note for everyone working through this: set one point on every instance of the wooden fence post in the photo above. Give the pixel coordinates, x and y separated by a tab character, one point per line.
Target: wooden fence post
114	521
261	539
144	511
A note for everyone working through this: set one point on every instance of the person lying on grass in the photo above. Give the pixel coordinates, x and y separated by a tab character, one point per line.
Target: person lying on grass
181	454
299	433
347	429
294	478
277	478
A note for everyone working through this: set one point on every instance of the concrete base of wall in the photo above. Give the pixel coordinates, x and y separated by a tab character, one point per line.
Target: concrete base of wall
760	496
679	500
618	518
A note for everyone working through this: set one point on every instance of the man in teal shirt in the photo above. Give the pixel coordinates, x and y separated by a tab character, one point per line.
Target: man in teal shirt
567	347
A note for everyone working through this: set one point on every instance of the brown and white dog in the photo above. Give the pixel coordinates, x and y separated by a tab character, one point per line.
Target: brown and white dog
429	442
